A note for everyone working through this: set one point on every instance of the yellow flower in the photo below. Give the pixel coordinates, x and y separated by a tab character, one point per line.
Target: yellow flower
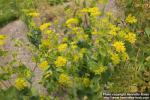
100	70
71	21
115	58
44	26
60	61
33	14
125	56
48	31
43	65
119	46
46	42
131	19
114	30
64	79
2	39
62	47
48	74
86	82
21	83
131	37
93	11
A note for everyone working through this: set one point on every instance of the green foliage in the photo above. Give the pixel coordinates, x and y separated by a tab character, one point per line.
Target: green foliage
86	54
147	31
34	33
11	10
14	94
35	37
78	62
139	8
7	11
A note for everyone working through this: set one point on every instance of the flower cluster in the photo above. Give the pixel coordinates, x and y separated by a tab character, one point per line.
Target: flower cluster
43	65
131	19
71	22
60	61
62	47
115	58
65	80
46	42
114	30
21	83
93	11
33	14
100	70
119	46
44	26
131	37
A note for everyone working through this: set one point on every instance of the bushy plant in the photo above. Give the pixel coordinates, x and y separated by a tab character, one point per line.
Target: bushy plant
77	57
84	55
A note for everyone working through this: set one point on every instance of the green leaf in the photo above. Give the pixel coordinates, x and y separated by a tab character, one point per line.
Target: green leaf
147	31
59	70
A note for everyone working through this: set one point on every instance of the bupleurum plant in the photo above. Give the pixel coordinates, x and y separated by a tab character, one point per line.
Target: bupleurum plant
79	56
87	53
